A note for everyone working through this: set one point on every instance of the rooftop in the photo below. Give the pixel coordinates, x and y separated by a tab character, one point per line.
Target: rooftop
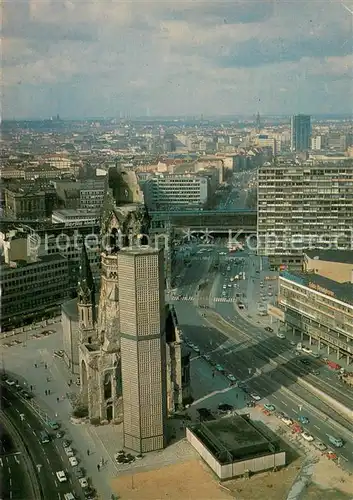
235	438
140	249
339	291
341	256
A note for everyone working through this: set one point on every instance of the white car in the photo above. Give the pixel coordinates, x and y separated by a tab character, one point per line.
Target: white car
83	482
307	437
255	396
307	350
73	461
287	420
69	451
231	377
281	336
60	474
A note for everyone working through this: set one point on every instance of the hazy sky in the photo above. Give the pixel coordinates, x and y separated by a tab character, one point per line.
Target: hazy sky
84	58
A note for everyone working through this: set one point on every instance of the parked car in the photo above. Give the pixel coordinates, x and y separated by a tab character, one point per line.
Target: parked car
287	420
83	482
307	436
255	396
320	446
231	378
69	452
66	443
269	407
73	461
269	329
219	368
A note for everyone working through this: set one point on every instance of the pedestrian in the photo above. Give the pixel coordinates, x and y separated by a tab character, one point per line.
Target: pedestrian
31	387
88	453
48	379
46	392
56	415
98	467
45	366
57	400
35	365
70	381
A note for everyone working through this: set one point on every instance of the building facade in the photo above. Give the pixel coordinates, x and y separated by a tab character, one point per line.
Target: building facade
303	206
300	132
143	347
79	217
172	191
31	288
129	329
319	311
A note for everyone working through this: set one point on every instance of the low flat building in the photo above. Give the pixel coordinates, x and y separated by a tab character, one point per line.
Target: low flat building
318	309
236	446
333	264
71	217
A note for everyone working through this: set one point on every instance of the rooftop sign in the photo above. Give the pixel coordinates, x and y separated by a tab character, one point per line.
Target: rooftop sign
321	289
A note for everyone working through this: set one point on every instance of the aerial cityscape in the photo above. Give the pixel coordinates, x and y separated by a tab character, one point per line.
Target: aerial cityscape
176	250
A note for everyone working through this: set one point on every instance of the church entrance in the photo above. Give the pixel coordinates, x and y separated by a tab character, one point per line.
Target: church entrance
109	412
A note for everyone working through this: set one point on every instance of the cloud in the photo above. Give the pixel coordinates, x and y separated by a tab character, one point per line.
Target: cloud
93	57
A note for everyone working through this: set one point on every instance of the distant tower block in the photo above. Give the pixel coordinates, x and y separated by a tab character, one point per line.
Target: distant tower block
143	348
258	123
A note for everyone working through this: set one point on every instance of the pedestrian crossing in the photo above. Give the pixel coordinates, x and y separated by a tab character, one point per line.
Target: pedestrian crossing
225	299
183	299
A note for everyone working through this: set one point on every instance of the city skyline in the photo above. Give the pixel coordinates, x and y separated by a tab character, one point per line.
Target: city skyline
160	59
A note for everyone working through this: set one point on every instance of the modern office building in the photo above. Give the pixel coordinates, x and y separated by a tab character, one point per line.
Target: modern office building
300	132
49	239
173	191
79	217
303	206
87	194
30	287
143	348
318	311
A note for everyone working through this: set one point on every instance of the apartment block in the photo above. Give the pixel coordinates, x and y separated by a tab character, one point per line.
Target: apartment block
143	348
304	206
319	311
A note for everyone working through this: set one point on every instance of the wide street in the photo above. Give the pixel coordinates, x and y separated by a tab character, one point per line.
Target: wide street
48	457
14	481
242	346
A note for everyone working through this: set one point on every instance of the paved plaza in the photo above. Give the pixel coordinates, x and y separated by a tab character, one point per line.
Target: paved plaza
33	363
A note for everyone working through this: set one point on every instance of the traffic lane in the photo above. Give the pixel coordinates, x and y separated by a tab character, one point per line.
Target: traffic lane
14	482
272	347
243	359
47	455
285	349
316	426
47	467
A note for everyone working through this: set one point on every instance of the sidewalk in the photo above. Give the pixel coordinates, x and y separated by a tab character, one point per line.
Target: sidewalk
84	437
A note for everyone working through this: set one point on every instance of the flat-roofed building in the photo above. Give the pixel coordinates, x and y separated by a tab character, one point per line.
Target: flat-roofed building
336	265
236	446
173	191
30	288
71	217
143	347
303	206
317	310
